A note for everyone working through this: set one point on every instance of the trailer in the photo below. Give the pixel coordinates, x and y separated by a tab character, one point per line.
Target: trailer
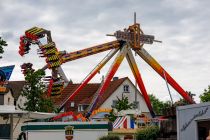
193	121
56	130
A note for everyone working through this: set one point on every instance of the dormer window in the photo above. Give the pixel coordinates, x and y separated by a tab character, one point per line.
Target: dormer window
82	107
126	89
114	103
72	104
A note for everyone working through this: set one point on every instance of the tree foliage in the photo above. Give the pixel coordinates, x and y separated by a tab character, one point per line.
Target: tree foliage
112	116
181	102
2	43
205	97
159	106
34	91
123	104
149	133
109	137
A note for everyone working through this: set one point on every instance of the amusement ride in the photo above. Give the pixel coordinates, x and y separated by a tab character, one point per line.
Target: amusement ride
131	39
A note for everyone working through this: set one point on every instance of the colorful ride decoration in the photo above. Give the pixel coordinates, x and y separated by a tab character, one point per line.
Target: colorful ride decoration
124	122
49	51
55	87
66	116
69	116
5	73
128	40
26	67
100	114
81	118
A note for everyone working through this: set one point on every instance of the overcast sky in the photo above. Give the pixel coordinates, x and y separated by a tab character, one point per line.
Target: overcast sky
182	25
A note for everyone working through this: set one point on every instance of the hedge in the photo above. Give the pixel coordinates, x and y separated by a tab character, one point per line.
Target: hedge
109	138
149	133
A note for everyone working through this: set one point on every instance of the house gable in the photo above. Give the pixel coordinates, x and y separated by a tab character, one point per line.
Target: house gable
6	98
131	96
85	96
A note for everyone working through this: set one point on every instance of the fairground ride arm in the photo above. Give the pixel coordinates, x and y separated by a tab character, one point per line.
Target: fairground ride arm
115	65
139	80
159	69
89	77
90	51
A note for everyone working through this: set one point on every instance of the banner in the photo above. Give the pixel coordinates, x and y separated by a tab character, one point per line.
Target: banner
7	71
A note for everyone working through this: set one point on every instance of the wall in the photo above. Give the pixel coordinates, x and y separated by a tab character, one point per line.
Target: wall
131	96
1	99
187	118
60	135
10	97
56	131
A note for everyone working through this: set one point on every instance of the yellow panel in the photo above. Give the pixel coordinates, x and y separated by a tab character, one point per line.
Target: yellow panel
3	89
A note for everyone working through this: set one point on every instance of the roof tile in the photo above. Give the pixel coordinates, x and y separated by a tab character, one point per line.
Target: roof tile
86	95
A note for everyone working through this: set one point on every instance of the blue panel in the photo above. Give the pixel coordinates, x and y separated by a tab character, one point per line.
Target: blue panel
7	70
132	123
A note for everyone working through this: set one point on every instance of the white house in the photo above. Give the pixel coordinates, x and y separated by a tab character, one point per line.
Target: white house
6	98
193	121
117	88
15	87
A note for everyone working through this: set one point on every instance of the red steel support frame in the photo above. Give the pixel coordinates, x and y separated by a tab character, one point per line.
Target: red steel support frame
92	74
137	75
115	65
159	69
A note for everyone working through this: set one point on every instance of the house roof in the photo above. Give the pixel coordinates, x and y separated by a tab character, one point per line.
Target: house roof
16	87
86	95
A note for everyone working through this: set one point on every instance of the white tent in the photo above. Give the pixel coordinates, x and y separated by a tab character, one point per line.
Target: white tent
12	113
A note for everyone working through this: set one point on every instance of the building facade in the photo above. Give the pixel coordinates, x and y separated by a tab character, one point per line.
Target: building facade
193	121
116	89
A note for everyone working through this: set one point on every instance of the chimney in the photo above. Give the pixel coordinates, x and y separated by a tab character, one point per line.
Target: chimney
115	78
70	82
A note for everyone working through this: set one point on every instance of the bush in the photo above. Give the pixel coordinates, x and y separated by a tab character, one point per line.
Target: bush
149	133
109	138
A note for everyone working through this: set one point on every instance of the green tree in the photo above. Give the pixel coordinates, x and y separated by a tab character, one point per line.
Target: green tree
112	116
34	91
159	106
109	137
2	43
205	97
148	133
123	104
181	102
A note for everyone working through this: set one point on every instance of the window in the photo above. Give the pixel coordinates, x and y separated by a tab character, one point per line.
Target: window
72	104
126	88
82	107
114	103
8	101
85	107
79	108
135	104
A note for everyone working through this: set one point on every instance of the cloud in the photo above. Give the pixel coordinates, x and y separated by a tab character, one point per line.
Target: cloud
183	26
